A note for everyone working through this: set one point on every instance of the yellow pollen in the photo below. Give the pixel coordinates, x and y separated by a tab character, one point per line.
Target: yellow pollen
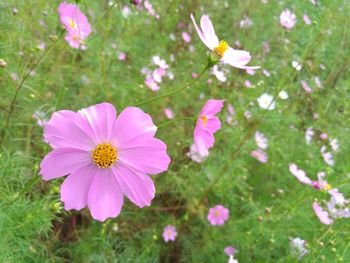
216	213
104	155
221	48
328	187
75	37
204	120
71	23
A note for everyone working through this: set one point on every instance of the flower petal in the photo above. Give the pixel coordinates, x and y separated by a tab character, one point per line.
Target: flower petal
321	214
63	130
237	58
75	188
138	187
132	126
99	120
200	33
63	161
149	157
105	198
213	124
209	32
212	107
203	140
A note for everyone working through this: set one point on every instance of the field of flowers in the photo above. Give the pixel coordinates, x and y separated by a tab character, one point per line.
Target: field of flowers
175	131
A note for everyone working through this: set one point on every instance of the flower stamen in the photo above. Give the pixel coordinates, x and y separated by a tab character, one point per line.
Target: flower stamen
221	48
204	120
104	155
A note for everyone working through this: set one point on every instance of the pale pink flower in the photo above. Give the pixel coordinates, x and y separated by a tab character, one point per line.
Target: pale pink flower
105	157
230	250
250	71
40	118
228	55
306	19
75	22
122	56
246	22
158	74
152	84
186	37
161	63
306	87
266	73
334	144
248	84
299	174
194	75
322	215
169	113
150	9
169	233
261	140
298	247
288	19
218	215
260	155
323	136
309	134
207	124
327	156
195	156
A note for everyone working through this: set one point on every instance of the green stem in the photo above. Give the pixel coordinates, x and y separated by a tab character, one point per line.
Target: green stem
175	120
20	85
177	90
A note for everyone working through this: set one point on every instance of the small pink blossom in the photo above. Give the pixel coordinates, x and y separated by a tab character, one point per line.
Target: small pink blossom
76	24
327	156
299	174
230	250
169	113
220	75
195	156
334	144
323	136
309	134
122	56
218	215
194	75
228	55
152	84
207	124
247	84
260	155
306	19
158	74
169	233
306	87
186	37
261	140
148	6
288	19
250	71
322	215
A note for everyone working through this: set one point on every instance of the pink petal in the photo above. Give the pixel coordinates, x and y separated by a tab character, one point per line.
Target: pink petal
299	174
200	33
213	124
63	131
75	188
138	187
203	140
321	214
105	198
209	32
133	126
149	157
238	58
99	121
212	107
63	161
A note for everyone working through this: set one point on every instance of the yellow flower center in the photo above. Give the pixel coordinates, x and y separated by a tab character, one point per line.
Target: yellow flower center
104	155
221	48
204	120
216	213
71	23
75	37
328	187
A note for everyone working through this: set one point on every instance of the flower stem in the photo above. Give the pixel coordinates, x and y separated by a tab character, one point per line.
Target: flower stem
28	186
20	85
169	94
175	120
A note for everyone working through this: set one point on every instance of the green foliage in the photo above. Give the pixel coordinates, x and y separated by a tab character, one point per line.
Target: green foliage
267	205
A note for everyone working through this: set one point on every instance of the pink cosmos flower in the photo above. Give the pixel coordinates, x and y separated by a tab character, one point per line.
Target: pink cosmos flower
306	87
321	214
218	215
309	133
288	19
260	155
122	56
75	22
186	37
307	20
105	157
207	124
261	140
230	250
228	55
169	113
152	84
169	233
327	156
